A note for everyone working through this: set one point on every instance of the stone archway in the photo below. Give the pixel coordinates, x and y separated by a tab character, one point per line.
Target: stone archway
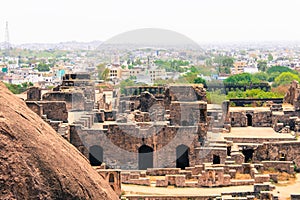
96	155
182	156
145	157
111	178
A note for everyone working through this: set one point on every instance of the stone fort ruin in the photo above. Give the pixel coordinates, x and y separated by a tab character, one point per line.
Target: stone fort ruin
171	131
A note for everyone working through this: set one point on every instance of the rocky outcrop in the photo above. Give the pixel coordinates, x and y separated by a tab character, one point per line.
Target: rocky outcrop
37	163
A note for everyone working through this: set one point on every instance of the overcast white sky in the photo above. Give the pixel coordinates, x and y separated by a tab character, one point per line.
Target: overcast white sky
201	20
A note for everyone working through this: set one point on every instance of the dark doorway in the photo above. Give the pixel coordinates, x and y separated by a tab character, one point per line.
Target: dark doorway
249	120
145	157
96	155
229	151
111	178
182	156
216	159
248	153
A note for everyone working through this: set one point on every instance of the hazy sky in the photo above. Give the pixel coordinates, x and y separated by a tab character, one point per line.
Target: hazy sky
201	20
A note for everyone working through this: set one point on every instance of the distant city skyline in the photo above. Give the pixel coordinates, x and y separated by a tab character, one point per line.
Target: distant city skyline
34	21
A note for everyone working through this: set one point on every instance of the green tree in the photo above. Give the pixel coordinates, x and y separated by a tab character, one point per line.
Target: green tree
100	69
105	74
279	69
228	62
262	65
285	78
42	67
261	76
200	80
270	57
242	79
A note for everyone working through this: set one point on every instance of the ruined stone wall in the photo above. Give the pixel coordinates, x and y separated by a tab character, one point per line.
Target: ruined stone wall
34	94
121	143
238	119
54	110
74	100
206	154
188	113
293	94
274	152
35	107
262	119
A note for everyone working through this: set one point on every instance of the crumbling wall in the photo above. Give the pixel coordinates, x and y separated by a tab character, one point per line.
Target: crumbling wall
275	151
238	119
74	100
262	119
121	142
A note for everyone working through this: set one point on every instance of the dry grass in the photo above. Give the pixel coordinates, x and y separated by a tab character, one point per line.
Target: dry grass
154	178
240	176
284	178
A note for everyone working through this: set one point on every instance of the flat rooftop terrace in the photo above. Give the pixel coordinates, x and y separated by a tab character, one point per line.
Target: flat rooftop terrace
256	135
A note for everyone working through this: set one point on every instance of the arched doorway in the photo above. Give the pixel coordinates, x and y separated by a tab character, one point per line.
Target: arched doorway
182	156
216	159
249	120
111	178
248	153
145	157
96	155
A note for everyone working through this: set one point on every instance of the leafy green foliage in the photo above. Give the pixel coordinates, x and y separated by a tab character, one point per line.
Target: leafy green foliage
100	69
279	69
224	61
215	97
172	65
126	83
43	67
18	88
105	74
285	78
262	65
200	80
262	76
253	93
242	79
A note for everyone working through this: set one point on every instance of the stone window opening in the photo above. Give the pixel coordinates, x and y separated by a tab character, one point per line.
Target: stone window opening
216	159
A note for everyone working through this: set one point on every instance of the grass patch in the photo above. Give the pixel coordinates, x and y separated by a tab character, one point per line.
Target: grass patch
240	176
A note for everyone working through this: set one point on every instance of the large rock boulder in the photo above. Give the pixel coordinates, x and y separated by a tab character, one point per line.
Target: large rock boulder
37	163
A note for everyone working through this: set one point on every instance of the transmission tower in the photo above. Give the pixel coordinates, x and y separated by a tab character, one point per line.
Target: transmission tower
6	42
